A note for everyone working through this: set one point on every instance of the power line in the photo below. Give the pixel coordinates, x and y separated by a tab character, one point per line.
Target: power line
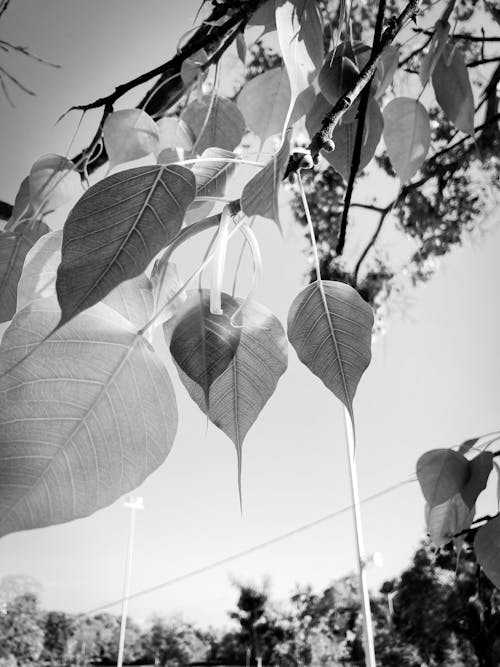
257	547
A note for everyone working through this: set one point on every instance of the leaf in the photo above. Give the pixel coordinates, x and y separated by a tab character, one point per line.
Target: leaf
442	473
453	90
203	344
447	519
300	36
264	15
174	133
241	47
191	66
407	135
53	181
215	122
116	229
386	69
14	246
480	468
436	47
330	327
467	445
22	209
487	548
239	394
129	134
166	283
260	194
85	419
211	177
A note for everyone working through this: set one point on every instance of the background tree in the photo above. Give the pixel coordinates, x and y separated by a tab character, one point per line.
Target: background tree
20	631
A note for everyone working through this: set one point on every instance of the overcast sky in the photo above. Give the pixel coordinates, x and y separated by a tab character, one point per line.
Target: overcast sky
433	380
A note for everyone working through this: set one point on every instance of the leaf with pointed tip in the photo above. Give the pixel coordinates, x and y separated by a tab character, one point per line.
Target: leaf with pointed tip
436	47
300	36
14	247
442	473
453	89
260	194
467	445
85	419
216	123
239	394
407	135
480	468
203	344
116	229
447	519
53	181
487	548
330	327
129	134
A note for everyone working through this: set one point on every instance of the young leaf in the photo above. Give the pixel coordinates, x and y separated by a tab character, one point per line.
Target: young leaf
83	420
203	344
300	36
330	327
215	122
53	181
260	194
487	548
129	134
453	90
442	473
14	247
436	47
407	135
116	229
447	519
238	395
479	471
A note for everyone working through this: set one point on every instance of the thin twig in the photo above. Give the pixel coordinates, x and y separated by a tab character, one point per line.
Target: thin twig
383	215
469	38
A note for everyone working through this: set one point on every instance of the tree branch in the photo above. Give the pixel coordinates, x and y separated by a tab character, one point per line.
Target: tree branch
469	38
384	213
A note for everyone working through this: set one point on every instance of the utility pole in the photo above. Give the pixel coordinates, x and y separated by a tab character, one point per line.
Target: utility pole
133	504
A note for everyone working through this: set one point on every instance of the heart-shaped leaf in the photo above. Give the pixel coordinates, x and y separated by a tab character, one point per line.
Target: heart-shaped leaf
14	247
487	548
480	468
453	90
53	181
216	122
447	519
116	229
436	47
407	135
83	420
442	473
238	395
203	344
260	194
330	327
129	134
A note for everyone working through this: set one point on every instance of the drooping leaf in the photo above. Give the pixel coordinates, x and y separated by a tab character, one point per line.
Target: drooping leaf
203	344
386	70
407	135
85	419
241	47
116	229
447	519
23	208
487	548
53	181
260	194
330	327
238	395
442	473
191	66
14	246
216	122
453	90
436	47
129	134
480	468
300	36
467	445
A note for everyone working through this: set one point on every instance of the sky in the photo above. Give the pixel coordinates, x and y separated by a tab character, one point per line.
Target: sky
433	381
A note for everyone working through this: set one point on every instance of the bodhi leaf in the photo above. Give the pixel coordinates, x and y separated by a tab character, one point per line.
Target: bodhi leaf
442	473
116	229
23	208
165	284
467	445
215	122
53	181
85	419
447	519
211	177
480	468
330	327
453	90
239	394
14	246
203	344
436	47
407	135
174	133
386	70
192	65
129	134
487	548
260	194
